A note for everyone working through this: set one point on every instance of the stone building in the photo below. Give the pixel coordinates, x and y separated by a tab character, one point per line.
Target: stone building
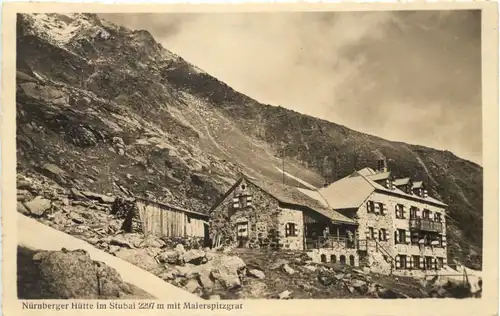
260	214
401	228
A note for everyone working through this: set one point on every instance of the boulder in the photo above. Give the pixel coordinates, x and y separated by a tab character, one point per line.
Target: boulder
285	295
169	256
22	209
138	257
194	256
38	206
150	241
74	275
360	286
288	269
99	197
256	273
54	172
325	279
192	286
227	270
120	240
278	264
67	275
180	249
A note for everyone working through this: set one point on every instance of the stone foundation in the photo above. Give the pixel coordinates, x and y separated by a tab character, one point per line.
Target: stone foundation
335	256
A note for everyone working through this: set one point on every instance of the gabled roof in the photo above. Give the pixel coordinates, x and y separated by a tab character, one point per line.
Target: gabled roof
417	185
379	176
348	192
352	192
365	172
402	181
295	196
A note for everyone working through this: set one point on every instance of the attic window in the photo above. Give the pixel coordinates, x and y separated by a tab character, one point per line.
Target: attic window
243	187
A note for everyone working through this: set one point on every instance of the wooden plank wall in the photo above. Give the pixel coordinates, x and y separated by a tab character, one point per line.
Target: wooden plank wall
168	222
195	227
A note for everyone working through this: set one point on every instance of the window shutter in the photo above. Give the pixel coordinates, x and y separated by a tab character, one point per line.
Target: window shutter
368	206
368	234
396	237
407	236
417	212
236	202
403	211
249	200
443	240
410	262
398	262
386	234
422	263
377	208
375	234
434	263
384	209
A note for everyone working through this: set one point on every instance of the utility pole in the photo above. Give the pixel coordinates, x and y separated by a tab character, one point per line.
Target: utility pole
283	164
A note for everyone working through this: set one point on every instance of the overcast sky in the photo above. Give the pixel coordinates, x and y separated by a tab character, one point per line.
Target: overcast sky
410	76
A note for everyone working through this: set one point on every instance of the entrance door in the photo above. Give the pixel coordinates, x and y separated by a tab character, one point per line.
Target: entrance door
242	233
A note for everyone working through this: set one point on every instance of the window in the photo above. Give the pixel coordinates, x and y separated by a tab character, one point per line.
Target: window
440	263
370	207
382	235
290	229
415	262
400	236
413	212
437	217
428	263
371	233
243	201
400	211
426	214
403	261
382	208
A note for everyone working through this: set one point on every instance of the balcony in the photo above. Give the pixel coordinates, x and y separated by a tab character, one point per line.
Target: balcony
426	225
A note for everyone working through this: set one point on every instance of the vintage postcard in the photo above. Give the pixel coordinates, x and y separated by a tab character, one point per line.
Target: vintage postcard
253	159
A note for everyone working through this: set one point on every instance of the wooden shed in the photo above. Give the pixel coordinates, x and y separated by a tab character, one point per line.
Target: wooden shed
165	220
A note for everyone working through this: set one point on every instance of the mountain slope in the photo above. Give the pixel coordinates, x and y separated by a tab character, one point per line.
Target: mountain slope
105	108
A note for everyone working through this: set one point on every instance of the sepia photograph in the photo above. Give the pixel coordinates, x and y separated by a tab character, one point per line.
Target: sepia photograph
249	155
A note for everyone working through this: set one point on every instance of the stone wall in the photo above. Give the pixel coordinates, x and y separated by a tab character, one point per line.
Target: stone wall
296	217
262	217
389	222
334	255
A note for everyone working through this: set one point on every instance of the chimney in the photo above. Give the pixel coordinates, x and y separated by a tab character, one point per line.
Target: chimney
382	165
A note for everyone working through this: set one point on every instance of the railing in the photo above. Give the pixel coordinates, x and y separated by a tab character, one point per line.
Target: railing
329	243
426	225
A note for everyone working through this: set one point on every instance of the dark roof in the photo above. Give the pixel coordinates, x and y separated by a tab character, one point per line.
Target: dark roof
166	205
292	195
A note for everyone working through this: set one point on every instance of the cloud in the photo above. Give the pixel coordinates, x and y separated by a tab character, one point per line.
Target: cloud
412	76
